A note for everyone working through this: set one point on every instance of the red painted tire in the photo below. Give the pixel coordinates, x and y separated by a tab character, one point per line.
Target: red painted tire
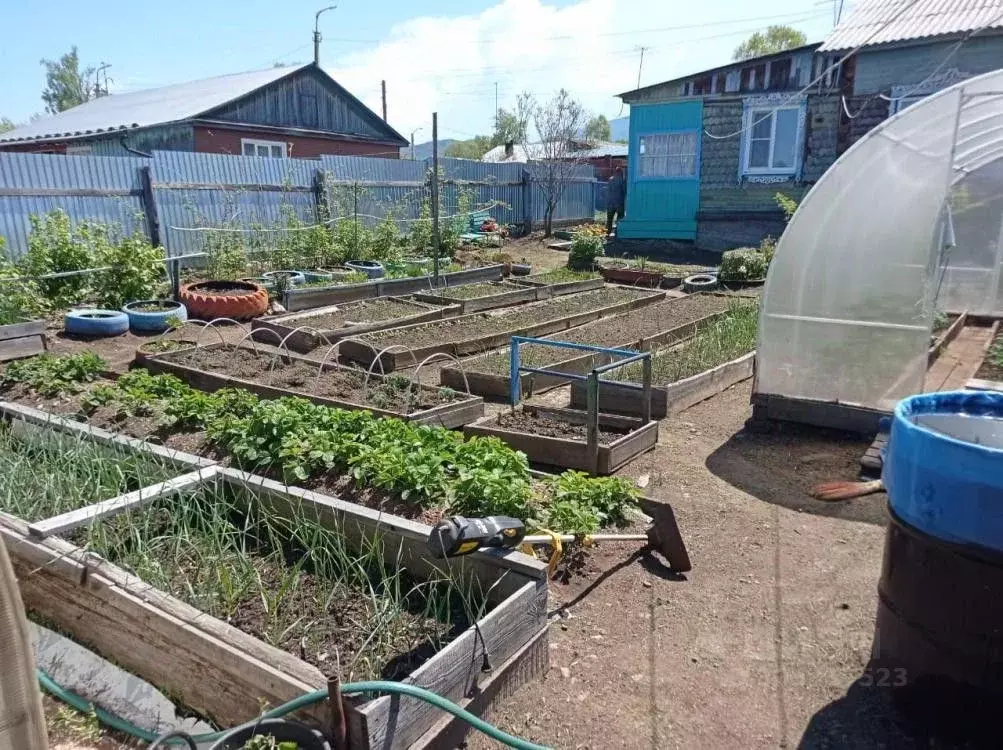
208	300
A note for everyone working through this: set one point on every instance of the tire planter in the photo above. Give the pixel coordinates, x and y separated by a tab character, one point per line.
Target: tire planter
279	730
142	321
521	269
208	300
96	323
700	282
311	276
371	268
293	277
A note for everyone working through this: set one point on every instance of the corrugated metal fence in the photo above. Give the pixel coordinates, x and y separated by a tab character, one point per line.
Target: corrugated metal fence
178	196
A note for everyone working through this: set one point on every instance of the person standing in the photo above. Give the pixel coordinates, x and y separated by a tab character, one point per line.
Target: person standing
616	197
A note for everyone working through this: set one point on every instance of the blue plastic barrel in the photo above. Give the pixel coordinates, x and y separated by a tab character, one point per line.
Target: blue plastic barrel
943	468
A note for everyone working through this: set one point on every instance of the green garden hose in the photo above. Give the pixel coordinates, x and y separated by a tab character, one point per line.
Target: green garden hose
373	686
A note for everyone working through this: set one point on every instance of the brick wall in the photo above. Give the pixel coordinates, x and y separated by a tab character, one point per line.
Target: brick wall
217	140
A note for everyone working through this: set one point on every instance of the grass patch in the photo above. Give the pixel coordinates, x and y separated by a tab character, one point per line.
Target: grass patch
289	581
52	473
561	275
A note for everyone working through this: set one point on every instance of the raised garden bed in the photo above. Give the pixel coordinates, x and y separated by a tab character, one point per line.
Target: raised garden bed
22	340
670	275
273	375
666	322
258	626
327	325
944	332
564	281
989	376
304	298
718	356
471	334
632	276
472	298
557	437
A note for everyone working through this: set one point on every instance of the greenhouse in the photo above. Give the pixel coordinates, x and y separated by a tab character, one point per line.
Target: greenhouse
907	223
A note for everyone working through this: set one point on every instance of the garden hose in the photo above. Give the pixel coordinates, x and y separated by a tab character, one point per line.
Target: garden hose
373	686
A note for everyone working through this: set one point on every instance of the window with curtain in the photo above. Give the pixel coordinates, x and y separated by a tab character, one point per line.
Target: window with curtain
772	138
671	155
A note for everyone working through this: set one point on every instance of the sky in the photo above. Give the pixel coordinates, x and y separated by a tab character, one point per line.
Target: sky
445	56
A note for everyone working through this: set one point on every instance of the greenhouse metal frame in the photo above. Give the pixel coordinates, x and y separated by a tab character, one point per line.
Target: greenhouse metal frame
908	221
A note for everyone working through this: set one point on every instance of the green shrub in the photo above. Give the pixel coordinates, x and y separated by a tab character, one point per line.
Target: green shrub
585	249
54	247
19	300
136	271
743	264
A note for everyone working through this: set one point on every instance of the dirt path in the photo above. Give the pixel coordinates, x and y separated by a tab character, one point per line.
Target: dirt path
959	361
752	647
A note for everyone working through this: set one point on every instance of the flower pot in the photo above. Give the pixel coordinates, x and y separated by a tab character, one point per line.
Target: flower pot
154	315
240	300
371	268
632	276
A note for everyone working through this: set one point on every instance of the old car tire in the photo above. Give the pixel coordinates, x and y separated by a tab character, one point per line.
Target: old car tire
96	322
145	321
700	282
209	300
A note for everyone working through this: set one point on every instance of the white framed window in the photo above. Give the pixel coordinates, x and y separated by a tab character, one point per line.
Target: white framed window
672	156
254	147
772	140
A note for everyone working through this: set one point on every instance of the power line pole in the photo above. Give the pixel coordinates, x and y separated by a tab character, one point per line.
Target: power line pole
316	33
496	106
383	88
640	66
435	197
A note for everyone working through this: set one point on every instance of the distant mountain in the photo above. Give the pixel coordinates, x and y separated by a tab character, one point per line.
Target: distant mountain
620	128
424	150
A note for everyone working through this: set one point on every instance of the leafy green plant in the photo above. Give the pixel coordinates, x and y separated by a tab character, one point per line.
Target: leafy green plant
583	504
787	204
135	272
585	249
743	264
51	376
20	300
54	247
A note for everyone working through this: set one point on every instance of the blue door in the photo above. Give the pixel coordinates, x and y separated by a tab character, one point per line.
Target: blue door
663	171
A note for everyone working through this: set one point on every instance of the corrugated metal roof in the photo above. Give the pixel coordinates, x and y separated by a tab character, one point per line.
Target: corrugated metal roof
925	18
603	149
140	109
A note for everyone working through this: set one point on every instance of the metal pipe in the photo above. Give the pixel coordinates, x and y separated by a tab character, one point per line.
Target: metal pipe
646	389
592	423
569	345
513	369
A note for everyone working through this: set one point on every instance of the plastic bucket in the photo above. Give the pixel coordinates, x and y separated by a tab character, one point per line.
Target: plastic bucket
943	468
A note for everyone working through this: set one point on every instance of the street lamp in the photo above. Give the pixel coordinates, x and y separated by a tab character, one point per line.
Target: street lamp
416	130
316	33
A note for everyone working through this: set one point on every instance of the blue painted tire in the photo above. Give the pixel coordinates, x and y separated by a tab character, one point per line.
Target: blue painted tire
295	277
96	323
141	321
371	268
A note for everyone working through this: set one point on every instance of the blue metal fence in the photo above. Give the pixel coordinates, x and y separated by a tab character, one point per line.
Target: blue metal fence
191	193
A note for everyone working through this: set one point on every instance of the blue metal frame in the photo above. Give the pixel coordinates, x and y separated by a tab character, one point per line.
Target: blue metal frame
515	368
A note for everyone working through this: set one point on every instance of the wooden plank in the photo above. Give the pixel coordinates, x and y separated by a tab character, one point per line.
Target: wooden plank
210	666
977	384
847	417
358	522
131	500
150	206
19	330
38	192
395	723
525	665
26	346
946	337
29	416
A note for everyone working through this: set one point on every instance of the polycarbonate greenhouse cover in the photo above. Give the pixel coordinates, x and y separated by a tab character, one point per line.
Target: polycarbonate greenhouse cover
908	220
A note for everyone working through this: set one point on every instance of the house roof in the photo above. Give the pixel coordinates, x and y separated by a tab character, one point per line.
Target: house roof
602	149
520	153
866	24
722	68
160	106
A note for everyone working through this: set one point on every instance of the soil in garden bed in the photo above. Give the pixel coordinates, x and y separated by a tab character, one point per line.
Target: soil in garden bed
394	393
476	291
364	311
290	583
487	324
992	365
223	289
619	330
537	424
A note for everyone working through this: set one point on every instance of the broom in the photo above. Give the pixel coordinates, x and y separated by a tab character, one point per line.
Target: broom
833	491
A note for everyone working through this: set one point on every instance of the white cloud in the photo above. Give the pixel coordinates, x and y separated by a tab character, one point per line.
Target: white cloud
451	64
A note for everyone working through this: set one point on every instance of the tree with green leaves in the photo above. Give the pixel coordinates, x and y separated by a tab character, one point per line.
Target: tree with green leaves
474	148
598	130
774	39
6	124
513	126
66	85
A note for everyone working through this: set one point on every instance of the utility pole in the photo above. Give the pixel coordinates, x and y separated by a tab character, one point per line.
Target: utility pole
435	198
640	65
98	90
316	33
383	88
496	106
416	130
